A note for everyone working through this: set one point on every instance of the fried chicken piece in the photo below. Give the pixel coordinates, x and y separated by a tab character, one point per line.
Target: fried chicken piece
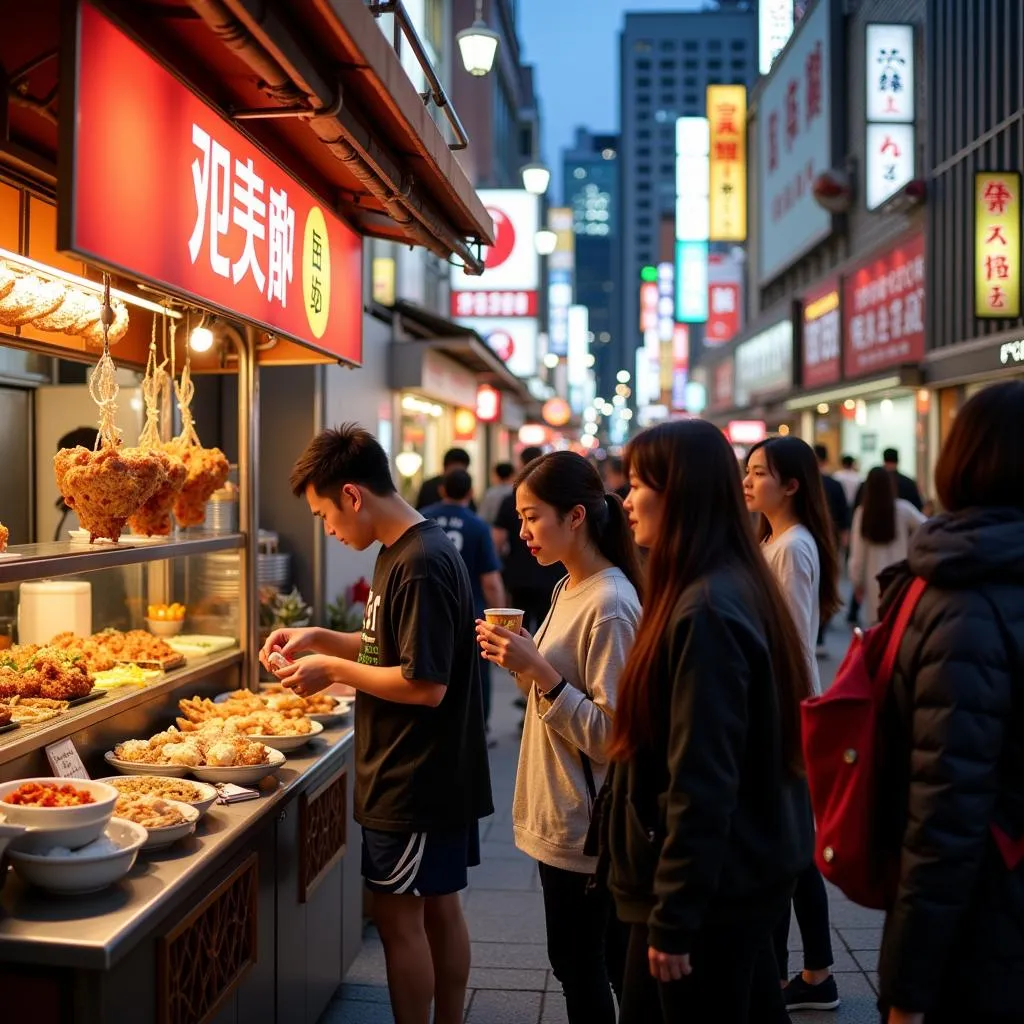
153	519
106	487
58	676
91	654
5	536
207	472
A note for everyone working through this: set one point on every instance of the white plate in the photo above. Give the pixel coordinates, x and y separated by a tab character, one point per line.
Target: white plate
209	794
344	707
193	645
172	771
82	537
161	838
287	743
244	775
10	556
59	826
76	876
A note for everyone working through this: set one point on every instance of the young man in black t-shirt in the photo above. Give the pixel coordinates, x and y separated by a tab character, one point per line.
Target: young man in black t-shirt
422	777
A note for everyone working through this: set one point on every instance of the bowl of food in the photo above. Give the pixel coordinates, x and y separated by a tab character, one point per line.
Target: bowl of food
165	619
57	812
166	821
199	795
90	868
286	742
239	774
129	767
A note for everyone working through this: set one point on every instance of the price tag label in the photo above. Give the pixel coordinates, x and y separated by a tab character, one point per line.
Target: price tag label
65	760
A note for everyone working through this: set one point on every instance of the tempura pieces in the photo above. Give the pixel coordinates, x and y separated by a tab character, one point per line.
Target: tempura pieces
106	487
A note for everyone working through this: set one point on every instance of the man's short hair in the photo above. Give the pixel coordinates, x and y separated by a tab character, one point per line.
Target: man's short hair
848	461
614	464
457	484
891	455
504	470
343	455
821	452
528	454
456	457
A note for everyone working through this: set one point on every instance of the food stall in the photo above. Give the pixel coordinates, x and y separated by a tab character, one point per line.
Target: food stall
166	245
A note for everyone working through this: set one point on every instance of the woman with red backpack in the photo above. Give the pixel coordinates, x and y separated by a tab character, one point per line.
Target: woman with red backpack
953	945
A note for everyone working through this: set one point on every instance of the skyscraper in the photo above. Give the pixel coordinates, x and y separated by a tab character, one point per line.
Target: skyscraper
666	63
590	183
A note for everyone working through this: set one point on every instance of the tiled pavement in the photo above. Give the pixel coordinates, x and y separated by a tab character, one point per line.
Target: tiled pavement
510	981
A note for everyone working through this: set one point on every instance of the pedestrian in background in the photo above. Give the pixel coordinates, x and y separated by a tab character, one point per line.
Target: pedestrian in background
839	512
490	504
850	478
615	479
784	484
708	821
882	526
572	670
953	945
472	539
430	490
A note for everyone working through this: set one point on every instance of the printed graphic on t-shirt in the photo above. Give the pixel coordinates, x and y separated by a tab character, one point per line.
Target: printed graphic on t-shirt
369	648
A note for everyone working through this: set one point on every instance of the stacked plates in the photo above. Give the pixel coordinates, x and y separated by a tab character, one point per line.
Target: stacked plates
221	516
274	570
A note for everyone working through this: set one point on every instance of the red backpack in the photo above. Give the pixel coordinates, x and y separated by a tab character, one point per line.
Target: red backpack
841	731
840	740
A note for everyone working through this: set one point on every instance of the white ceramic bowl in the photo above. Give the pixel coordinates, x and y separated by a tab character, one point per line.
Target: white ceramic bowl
202	805
78	875
59	826
8	832
160	838
288	743
244	775
171	771
165	627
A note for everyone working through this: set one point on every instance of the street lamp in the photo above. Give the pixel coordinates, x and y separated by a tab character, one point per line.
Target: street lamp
478	45
536	178
545	242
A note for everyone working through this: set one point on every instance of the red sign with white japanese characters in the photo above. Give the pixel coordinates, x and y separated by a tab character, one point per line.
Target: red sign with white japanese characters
162	187
883	310
494	303
822	330
723	313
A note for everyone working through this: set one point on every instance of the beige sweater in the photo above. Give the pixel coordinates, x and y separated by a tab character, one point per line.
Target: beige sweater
587	637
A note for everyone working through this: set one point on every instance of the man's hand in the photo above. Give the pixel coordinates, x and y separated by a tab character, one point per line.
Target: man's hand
309	675
668	966
290	642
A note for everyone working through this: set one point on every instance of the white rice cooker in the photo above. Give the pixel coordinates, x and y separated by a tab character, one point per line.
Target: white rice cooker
49	607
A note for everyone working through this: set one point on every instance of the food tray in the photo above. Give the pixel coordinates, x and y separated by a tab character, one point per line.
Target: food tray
196	645
167	665
78	701
9	727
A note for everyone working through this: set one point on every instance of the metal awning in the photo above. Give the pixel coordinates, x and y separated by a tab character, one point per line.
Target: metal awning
315	82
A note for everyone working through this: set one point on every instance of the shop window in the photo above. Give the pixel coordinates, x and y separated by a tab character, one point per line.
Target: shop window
643	151
714	65
642	46
667	65
643	65
667	45
643	169
714	45
691	46
691	65
738	45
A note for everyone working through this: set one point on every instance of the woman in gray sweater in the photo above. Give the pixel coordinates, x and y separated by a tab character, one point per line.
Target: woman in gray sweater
572	671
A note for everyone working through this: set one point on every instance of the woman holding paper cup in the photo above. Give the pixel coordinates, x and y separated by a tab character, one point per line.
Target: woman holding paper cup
571	672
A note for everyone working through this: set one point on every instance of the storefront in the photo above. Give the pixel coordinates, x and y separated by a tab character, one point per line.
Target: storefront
764	377
224	260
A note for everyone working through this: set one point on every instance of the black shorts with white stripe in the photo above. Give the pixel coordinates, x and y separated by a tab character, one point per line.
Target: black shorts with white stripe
420	863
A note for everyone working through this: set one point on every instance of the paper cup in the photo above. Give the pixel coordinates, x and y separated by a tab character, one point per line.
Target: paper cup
508	618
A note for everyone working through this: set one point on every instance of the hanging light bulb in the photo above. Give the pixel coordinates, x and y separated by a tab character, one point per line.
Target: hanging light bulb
201	338
478	45
545	242
536	178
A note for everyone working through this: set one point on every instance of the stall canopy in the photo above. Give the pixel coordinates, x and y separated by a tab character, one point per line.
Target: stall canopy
314	82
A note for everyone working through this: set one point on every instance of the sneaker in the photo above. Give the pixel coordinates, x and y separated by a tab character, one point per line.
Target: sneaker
799	995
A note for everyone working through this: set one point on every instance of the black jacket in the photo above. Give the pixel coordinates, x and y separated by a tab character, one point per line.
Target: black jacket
956	930
838	506
703	825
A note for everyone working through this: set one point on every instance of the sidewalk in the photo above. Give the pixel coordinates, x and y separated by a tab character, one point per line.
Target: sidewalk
510	982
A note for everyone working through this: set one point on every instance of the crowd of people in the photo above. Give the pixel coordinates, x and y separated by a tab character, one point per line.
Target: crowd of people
673	622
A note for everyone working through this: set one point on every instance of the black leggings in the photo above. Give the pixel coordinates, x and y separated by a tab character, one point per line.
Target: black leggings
729	983
810	901
586	944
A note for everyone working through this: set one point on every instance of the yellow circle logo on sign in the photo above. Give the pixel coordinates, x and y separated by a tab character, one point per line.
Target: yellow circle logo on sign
316	272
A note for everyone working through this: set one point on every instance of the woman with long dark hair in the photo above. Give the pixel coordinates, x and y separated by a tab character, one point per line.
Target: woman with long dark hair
709	821
783	484
881	530
953	944
572	669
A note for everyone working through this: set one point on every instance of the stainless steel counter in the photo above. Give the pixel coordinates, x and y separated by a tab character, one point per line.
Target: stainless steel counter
94	932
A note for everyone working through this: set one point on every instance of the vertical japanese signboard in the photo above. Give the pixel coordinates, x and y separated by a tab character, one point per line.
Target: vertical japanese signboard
774	27
727	123
889	52
195	206
693	216
883	310
794	144
997	251
822	328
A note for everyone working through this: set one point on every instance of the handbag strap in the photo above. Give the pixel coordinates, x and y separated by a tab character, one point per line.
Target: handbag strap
892	648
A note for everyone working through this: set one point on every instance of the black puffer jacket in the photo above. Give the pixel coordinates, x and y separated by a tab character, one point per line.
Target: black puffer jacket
955	935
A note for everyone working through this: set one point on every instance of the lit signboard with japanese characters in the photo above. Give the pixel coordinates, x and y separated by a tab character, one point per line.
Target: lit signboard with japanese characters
691	282
197	208
883	310
889	51
727	179
794	145
997	251
823	327
774	27
693	219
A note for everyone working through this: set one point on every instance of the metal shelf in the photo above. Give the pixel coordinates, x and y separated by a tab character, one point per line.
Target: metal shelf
64	558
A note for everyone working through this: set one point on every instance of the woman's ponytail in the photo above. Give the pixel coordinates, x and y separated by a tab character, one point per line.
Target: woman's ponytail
614	540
